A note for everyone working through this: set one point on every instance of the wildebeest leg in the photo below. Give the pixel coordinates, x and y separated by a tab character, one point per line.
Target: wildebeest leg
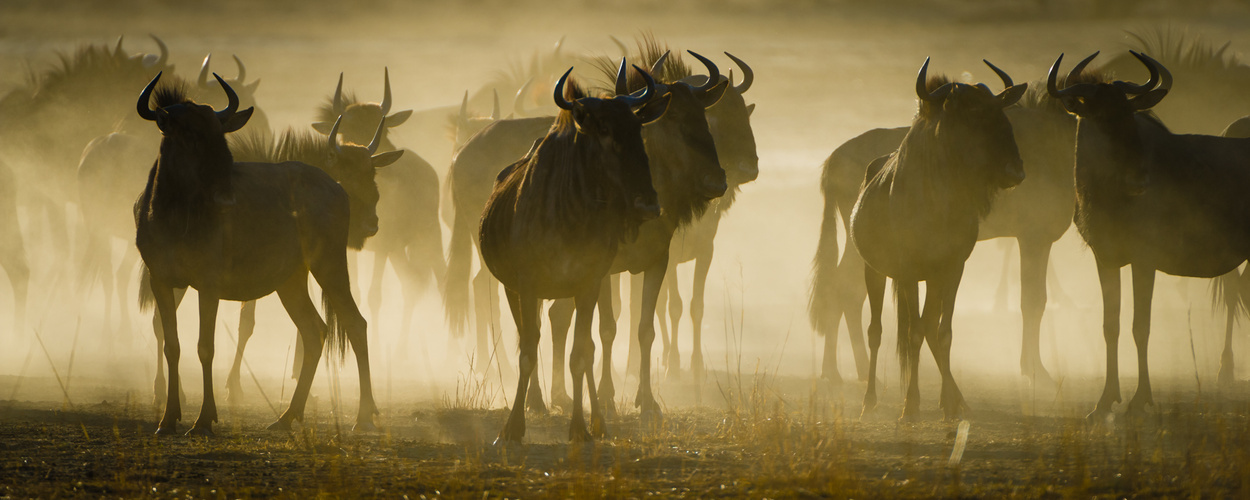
486	310
332	276
938	308
158	327
208	322
534	397
1226	376
124	273
1000	296
1034	258
1143	291
653	277
607	337
525	311
247	326
702	265
561	317
670	294
911	338
380	258
1109	279
875	284
850	303
581	360
635	318
167	311
299	306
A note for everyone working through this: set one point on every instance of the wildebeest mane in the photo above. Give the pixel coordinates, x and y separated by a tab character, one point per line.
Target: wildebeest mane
931	84
649	51
326	111
1036	97
1182	51
171	91
252	146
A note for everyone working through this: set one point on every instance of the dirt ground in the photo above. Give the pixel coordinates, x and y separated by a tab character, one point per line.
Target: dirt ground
76	411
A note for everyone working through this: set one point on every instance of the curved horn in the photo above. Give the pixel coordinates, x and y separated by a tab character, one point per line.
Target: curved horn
561	102
117	51
1076	70
658	65
494	112
518	101
1052	86
334	136
144	108
232	100
386	91
377	137
646	95
1007	83
922	89
202	80
338	96
622	88
713	73
164	57
1165	76
242	69
748	76
1132	89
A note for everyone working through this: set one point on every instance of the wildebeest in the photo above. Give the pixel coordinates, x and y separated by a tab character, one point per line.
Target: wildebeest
409	235
688	176
208	92
1151	199
1036	213
45	128
239	231
917	215
552	226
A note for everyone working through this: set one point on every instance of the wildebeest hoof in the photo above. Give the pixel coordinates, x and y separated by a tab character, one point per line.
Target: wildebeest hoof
536	406
579	434
1100	416
167	429
562	401
281	425
205	430
364	425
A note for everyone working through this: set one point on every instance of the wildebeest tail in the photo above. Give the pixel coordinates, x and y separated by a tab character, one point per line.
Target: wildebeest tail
822	310
147	299
456	291
1228	293
904	346
336	333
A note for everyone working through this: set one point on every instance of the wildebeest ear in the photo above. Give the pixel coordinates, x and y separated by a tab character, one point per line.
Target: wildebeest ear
1010	95
654	109
323	127
383	159
713	95
1148	100
750	109
398	118
237	120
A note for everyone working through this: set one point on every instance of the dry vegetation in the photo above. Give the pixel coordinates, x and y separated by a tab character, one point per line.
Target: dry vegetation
760	427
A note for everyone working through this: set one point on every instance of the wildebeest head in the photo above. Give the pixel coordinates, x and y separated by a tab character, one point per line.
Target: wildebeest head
969	122
1110	110
208	91
464	125
354	167
360	118
617	129
180	118
685	161
729	121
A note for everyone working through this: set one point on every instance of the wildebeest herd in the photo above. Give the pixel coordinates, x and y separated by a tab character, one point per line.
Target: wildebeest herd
579	184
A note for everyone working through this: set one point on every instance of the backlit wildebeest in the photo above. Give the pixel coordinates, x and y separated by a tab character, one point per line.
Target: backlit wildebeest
239	231
1151	199
917	215
1036	213
687	176
209	93
409	235
552	226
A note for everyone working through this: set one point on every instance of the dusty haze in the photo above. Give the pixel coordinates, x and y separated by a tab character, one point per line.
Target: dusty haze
824	74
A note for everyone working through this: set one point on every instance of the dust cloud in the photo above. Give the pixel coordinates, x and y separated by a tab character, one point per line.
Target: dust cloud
824	72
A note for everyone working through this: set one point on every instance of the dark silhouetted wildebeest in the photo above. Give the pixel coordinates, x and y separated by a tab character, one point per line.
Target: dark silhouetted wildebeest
917	216
239	231
1036	213
553	224
1150	199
